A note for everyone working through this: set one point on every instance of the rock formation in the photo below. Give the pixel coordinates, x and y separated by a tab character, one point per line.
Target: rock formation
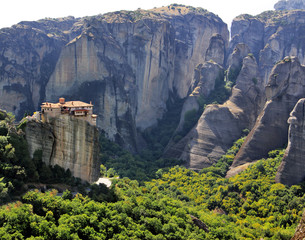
289	4
132	63
68	142
285	87
128	63
27	60
291	170
206	76
220	125
271	36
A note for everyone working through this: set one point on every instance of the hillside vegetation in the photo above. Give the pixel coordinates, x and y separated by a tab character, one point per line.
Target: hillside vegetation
180	204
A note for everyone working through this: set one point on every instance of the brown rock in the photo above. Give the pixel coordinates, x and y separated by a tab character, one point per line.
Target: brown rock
130	62
199	223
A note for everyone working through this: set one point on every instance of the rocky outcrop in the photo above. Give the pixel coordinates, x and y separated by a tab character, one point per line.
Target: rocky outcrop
29	51
206	76
211	137
289	4
127	63
217	50
291	170
68	142
271	36
285	87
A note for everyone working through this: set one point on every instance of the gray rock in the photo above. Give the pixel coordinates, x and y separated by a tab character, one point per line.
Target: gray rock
285	87
127	63
289	4
217	50
291	170
220	125
271	36
68	142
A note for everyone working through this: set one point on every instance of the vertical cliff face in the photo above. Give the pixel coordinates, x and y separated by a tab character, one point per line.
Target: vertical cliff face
285	87
131	63
128	63
271	36
28	57
291	170
220	125
68	142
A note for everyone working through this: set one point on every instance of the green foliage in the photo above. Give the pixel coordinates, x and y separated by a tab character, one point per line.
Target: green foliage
273	17
247	206
2	115
22	124
255	205
250	55
16	166
158	137
233	74
190	119
141	167
103	170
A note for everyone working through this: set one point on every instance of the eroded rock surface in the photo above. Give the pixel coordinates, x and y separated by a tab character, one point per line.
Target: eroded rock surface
29	51
271	36
68	142
220	125
206	76
285	87
127	63
291	170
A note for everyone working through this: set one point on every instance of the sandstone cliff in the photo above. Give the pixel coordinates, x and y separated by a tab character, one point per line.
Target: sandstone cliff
68	142
291	170
130	64
271	36
220	125
285	87
206	76
127	63
29	51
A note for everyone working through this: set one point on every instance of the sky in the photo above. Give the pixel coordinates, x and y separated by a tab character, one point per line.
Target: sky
14	11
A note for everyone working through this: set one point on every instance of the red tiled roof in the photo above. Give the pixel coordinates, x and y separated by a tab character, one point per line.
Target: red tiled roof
67	104
76	104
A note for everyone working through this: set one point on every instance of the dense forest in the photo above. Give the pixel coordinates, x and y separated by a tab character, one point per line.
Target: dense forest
177	204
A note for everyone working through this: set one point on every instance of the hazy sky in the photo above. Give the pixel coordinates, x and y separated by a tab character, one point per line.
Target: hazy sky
14	11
